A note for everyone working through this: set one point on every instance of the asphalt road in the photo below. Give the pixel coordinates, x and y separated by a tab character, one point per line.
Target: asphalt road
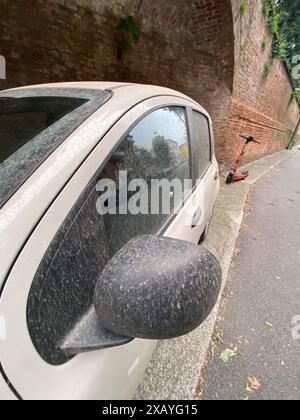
262	297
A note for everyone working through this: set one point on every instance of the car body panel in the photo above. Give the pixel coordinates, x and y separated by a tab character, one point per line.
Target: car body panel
5	392
33	216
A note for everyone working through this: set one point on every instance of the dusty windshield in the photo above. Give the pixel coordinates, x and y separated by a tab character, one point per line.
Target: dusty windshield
33	122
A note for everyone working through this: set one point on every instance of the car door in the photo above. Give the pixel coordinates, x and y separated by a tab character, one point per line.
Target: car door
52	281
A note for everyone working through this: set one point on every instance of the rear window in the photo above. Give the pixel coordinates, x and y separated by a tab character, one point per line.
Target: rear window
33	122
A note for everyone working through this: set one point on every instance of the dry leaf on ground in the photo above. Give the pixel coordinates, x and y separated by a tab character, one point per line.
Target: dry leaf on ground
254	383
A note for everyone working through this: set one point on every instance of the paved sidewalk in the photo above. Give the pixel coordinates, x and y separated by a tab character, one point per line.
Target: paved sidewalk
262	297
175	369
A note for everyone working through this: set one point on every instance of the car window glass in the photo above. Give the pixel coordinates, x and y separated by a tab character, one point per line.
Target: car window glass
33	122
63	287
156	148
202	135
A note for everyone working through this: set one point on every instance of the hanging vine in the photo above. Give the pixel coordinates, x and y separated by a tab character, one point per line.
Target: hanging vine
128	33
274	19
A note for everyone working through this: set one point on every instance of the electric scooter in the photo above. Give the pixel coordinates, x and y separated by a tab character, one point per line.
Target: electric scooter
234	175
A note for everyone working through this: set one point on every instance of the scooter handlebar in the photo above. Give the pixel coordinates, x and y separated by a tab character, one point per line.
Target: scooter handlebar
250	139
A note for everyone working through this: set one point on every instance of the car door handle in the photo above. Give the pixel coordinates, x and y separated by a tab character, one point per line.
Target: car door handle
196	218
216	177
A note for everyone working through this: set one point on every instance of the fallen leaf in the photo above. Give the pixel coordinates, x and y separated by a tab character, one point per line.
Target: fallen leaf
269	325
254	383
223	302
226	355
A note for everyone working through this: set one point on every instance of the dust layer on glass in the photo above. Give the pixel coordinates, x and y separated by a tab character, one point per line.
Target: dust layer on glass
33	123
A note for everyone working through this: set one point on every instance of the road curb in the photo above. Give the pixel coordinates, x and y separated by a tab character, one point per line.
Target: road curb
175	368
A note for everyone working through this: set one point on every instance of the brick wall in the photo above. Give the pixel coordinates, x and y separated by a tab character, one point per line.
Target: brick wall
203	48
260	106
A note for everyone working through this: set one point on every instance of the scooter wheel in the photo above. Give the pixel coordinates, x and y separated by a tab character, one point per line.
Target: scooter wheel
229	179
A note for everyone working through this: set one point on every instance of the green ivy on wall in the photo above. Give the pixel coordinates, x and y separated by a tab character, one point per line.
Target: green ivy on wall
245	7
279	42
128	32
267	69
264	43
295	96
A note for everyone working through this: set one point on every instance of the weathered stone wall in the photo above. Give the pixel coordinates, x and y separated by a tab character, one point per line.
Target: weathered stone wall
203	48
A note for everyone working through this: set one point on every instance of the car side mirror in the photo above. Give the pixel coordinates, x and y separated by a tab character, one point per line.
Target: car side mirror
153	288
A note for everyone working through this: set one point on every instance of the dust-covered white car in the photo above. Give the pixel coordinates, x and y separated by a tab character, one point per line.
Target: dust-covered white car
105	191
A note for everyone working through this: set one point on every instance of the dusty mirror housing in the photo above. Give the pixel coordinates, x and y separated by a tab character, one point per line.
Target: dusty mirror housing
157	288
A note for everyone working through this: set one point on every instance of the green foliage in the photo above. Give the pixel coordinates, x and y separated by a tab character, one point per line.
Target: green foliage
290	27
280	47
146	156
264	43
274	23
283	18
295	97
268	8
245	7
128	32
274	20
267	69
162	151
129	25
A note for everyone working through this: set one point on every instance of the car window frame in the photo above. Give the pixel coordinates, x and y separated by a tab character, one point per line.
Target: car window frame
196	145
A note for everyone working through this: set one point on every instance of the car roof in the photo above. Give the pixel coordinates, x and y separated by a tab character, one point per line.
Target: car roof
134	90
79	85
153	89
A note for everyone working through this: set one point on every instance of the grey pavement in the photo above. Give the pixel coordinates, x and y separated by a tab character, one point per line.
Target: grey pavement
175	369
262	296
